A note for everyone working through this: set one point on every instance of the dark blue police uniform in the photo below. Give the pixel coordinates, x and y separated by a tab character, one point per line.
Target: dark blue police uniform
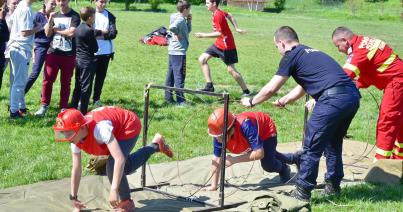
337	101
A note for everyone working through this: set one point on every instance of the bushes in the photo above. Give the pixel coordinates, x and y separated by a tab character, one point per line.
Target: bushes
279	4
154	4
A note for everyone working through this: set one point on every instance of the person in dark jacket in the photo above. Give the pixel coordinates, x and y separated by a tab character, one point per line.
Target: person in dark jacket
4	36
42	42
106	22
86	47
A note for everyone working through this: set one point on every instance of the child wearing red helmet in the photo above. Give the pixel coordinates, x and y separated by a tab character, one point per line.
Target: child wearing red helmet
107	131
251	135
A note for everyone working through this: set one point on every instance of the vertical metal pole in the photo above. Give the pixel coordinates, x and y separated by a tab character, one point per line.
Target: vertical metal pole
305	119
145	130
224	149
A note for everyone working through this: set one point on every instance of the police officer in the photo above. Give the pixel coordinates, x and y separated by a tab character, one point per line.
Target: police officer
337	101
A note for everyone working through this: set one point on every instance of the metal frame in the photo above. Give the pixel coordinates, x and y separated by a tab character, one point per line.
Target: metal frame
211	207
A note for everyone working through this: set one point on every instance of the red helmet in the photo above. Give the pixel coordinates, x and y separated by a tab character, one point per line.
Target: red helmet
216	122
68	122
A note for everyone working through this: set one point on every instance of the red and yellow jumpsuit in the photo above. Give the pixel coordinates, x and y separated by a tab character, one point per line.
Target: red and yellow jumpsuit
372	62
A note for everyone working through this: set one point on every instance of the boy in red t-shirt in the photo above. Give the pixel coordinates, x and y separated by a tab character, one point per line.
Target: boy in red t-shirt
224	46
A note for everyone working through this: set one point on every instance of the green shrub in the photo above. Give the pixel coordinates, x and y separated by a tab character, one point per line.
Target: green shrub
154	4
279	4
376	1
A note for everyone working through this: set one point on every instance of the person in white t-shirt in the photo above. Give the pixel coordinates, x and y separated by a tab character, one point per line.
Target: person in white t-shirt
22	30
106	22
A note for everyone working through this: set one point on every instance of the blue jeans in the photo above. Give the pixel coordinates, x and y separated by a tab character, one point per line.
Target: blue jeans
176	76
273	161
133	161
324	133
40	51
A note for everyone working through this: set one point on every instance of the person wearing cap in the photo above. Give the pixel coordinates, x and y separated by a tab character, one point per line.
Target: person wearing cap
250	135
337	101
109	131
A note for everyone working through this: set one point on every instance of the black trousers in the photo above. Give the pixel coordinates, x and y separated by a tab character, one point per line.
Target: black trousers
82	89
101	64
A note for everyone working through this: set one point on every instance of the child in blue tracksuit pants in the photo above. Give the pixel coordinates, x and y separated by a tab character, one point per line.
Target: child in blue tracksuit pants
180	27
41	43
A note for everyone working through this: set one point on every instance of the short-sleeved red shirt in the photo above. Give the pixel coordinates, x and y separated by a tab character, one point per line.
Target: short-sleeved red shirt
220	24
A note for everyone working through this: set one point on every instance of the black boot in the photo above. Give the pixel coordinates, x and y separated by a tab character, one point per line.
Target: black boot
285	174
331	189
301	194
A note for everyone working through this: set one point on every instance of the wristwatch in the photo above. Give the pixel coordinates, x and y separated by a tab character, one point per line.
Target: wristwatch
71	197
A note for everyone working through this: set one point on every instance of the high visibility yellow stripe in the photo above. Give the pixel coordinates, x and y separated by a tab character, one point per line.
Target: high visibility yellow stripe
400	145
353	68
400	154
374	48
383	152
386	64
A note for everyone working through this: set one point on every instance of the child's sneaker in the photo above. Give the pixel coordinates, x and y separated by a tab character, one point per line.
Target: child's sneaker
208	88
16	115
163	147
98	103
42	110
125	206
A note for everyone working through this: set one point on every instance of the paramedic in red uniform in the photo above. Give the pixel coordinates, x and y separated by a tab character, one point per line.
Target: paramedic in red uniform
106	131
251	135
372	62
224	46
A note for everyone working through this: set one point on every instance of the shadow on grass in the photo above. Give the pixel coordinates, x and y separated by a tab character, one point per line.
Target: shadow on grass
135	9
272	10
366	192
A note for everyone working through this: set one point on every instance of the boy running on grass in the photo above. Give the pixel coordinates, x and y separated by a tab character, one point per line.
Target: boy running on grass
224	46
180	26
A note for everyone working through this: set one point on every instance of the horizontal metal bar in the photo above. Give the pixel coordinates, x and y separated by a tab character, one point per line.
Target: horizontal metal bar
178	197
186	90
152	186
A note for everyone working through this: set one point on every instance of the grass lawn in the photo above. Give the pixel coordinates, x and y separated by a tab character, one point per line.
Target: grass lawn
28	153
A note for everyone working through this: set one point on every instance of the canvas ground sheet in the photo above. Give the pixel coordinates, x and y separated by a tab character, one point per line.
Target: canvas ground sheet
245	182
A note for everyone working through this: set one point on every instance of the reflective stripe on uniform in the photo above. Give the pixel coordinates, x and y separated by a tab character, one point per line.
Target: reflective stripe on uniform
378	44
400	145
387	62
383	152
353	68
396	152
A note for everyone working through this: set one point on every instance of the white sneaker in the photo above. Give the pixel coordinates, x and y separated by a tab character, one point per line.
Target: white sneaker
42	110
98	103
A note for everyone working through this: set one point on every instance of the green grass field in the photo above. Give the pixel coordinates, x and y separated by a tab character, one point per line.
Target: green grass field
28	153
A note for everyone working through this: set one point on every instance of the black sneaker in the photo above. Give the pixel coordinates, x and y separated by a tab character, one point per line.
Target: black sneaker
16	115
300	193
208	89
285	174
331	189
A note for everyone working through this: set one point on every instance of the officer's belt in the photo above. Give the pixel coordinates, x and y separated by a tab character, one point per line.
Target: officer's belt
337	90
